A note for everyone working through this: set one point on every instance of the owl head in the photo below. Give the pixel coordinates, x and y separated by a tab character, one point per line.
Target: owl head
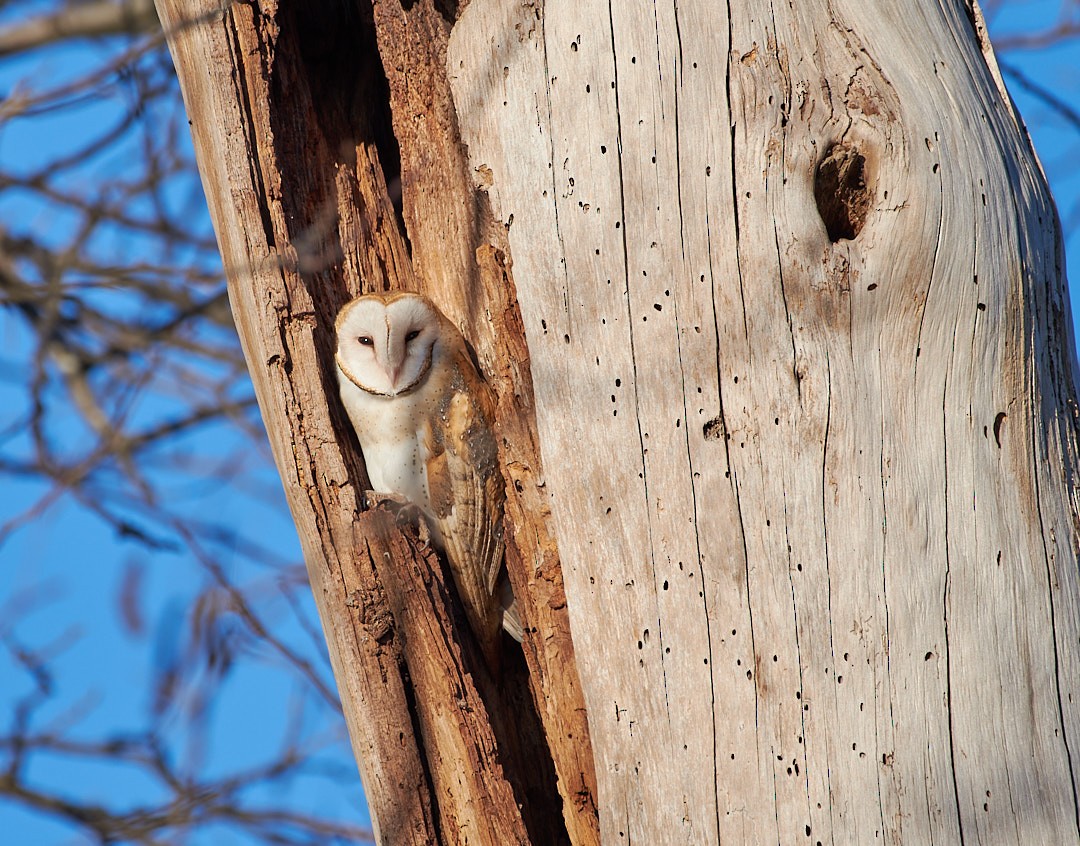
385	342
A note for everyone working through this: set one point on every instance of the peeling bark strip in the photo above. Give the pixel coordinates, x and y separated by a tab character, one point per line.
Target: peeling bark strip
791	282
305	142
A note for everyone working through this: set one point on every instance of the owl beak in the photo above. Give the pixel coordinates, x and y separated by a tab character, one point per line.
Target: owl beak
393	374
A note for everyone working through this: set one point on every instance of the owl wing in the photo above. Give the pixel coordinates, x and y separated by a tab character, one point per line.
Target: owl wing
466	491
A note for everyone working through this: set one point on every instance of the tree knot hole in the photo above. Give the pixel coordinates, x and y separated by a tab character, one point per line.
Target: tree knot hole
841	192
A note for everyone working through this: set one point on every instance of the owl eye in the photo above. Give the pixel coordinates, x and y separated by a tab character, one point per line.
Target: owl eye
412	336
365	341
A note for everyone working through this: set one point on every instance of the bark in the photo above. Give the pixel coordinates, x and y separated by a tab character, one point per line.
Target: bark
292	113
787	284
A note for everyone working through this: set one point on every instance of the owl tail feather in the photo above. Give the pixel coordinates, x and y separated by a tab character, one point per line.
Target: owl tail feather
511	621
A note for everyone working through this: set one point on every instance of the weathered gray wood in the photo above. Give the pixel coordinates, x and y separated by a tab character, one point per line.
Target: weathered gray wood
814	498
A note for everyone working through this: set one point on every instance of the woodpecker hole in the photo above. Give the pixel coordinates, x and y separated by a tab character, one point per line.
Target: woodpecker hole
714	429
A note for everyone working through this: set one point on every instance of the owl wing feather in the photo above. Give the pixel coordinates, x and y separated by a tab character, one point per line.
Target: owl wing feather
466	492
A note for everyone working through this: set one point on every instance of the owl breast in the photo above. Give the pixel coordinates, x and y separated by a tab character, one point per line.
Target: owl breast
392	434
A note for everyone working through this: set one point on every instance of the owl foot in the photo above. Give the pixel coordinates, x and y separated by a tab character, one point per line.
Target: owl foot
404	511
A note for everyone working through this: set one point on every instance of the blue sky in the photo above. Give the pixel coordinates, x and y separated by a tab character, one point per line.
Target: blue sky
66	577
66	572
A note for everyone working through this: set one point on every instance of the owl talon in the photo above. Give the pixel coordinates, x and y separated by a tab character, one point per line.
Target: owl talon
406	513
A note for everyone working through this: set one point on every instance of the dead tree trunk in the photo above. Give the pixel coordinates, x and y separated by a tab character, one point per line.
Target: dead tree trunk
799	365
304	142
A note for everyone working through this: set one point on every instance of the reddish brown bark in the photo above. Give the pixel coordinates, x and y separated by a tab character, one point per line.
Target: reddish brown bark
302	138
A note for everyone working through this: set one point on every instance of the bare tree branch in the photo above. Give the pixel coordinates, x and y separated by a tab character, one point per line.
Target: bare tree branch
80	20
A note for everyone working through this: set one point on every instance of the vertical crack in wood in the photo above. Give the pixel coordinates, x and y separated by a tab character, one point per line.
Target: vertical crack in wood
946	599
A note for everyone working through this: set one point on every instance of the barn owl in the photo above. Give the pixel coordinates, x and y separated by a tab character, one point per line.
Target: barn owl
423	417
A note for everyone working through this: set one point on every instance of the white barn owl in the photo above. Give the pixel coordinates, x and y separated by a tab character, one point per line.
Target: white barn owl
423	416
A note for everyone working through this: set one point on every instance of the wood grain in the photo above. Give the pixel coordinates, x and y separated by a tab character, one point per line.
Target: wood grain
792	287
